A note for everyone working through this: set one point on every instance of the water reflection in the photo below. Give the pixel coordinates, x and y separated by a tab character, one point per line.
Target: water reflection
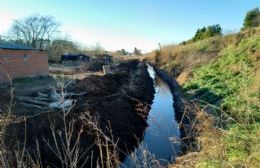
160	141
162	125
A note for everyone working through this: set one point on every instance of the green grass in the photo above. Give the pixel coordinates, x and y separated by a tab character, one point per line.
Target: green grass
228	79
223	71
227	83
242	142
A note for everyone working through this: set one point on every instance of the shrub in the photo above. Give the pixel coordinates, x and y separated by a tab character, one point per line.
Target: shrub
252	19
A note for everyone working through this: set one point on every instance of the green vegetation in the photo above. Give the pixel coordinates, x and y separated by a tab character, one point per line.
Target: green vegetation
222	75
242	145
252	19
228	80
232	84
210	31
227	86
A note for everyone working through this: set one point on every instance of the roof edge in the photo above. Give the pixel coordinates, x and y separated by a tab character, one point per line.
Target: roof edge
4	48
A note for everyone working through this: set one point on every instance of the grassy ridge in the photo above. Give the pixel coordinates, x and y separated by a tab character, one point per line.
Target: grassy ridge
232	83
222	74
232	79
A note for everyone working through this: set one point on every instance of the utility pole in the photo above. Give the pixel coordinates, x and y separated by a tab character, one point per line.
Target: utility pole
160	47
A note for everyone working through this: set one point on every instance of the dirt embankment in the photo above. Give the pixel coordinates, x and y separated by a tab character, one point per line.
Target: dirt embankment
4	100
104	125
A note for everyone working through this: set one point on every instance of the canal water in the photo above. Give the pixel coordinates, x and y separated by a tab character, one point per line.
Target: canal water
161	140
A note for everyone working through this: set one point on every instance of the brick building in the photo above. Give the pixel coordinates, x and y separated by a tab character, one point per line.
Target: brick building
18	61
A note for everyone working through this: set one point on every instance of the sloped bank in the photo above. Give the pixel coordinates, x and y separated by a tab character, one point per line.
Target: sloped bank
101	128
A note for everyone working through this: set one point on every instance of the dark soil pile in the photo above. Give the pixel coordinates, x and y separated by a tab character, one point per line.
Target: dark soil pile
4	102
106	124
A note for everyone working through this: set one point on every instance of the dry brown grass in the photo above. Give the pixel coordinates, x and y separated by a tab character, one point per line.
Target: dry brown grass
183	58
213	148
209	139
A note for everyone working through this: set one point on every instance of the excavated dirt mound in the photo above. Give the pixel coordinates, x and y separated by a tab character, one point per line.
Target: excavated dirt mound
101	86
110	118
4	102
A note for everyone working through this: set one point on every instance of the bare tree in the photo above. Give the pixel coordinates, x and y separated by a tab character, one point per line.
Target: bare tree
34	31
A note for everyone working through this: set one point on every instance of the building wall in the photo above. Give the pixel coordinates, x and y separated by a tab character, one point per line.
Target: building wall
22	63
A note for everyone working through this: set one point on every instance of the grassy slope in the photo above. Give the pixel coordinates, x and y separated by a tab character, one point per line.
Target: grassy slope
223	72
231	80
232	84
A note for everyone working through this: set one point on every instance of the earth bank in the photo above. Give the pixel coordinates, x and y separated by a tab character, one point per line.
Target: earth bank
103	125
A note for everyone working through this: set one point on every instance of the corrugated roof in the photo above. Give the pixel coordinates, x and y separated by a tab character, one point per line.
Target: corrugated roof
12	46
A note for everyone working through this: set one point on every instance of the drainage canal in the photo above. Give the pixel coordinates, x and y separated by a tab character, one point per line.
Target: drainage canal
161	140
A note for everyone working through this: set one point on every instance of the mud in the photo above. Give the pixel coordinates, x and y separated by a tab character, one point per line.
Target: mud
119	105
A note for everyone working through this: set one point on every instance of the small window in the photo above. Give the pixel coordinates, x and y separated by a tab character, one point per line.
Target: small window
25	57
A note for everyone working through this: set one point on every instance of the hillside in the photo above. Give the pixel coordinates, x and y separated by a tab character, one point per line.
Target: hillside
222	76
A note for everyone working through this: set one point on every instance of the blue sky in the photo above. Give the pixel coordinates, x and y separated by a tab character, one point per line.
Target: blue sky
117	24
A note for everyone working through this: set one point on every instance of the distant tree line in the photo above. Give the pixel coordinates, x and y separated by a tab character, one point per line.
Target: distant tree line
123	52
206	32
59	47
252	19
37	31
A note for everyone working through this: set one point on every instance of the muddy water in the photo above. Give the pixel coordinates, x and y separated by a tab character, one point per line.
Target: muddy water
161	140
